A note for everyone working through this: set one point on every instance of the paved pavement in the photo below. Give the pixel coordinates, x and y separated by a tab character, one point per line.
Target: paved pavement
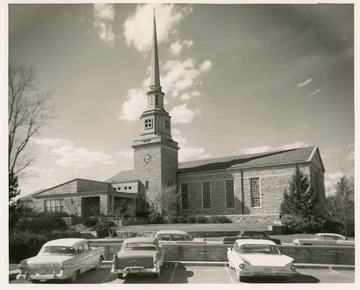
215	272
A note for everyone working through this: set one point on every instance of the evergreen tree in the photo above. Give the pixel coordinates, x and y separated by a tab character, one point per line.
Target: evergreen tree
13	205
298	208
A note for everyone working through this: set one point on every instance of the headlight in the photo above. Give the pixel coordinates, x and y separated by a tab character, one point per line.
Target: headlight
293	267
242	266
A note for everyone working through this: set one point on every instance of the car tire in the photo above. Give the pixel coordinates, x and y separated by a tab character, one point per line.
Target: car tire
74	277
120	276
157	275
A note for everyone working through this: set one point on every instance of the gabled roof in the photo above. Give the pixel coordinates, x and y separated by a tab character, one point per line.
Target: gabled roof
123	176
291	156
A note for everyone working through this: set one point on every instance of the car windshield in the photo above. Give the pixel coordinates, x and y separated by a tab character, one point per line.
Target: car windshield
140	246
259	249
57	250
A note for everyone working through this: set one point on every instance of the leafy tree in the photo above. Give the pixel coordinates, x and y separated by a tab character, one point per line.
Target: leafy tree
299	208
340	206
163	202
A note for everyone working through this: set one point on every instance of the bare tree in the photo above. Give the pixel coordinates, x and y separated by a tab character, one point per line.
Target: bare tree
29	111
163	202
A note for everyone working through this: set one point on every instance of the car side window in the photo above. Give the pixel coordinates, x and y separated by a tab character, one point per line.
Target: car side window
86	247
80	249
178	238
164	237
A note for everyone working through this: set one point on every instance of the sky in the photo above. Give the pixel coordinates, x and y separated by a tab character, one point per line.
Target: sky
237	79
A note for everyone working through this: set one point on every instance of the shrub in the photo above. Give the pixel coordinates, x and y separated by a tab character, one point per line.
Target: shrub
191	220
155	218
90	222
298	224
62	235
201	220
23	245
181	219
105	228
219	219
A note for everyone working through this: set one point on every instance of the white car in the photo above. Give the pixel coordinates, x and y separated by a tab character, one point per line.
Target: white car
62	259
325	239
250	257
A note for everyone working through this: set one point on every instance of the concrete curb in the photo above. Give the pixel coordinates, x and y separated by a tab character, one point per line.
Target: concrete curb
13	273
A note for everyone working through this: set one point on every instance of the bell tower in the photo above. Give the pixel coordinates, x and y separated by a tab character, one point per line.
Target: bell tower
155	152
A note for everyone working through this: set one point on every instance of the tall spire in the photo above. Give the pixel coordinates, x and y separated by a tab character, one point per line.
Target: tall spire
155	73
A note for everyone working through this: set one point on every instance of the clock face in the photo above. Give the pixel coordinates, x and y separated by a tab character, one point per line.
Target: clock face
147	158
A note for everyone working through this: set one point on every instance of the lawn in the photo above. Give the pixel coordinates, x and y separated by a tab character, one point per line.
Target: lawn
231	227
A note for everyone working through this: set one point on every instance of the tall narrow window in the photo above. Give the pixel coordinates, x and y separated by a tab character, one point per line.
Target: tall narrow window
229	188
184	196
206	195
255	192
147	184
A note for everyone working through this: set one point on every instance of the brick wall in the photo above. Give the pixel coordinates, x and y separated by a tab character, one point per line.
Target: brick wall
217	252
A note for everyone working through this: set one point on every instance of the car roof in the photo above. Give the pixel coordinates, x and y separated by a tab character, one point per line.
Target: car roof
171	232
70	242
330	234
241	242
140	240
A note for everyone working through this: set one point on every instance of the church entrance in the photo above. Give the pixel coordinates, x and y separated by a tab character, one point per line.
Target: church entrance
90	206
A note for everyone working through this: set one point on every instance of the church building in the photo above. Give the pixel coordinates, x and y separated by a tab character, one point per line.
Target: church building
240	187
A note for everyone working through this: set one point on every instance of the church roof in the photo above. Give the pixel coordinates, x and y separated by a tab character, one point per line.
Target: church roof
291	156
123	176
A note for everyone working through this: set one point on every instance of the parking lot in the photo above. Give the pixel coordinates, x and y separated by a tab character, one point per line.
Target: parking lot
178	273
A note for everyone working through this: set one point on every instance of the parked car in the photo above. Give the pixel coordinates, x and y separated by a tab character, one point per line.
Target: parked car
61	259
177	236
250	235
325	239
251	257
138	255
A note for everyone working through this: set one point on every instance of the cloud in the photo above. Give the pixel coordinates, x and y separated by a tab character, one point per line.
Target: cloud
138	32
135	104
206	66
315	92
308	81
182	75
187	152
266	148
34	170
126	153
175	48
79	157
103	18
188	43
67	155
181	114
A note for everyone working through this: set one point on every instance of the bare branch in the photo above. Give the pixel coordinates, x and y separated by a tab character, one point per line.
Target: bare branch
30	111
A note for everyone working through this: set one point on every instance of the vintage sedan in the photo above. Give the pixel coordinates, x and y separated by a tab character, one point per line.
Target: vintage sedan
62	259
252	257
138	255
325	239
177	236
250	235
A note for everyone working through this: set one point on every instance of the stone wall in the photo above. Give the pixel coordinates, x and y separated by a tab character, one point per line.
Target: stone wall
217	252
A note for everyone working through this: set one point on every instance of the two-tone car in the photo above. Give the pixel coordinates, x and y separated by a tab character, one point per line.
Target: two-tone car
61	259
325	239
251	258
250	235
141	255
177	236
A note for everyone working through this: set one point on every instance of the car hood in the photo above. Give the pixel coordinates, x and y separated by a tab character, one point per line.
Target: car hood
266	260
48	259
